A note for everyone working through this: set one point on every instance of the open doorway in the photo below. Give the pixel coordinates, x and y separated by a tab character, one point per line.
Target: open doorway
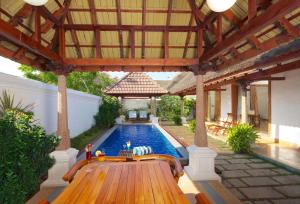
259	106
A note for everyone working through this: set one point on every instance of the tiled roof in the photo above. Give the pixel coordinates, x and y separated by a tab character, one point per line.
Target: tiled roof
136	83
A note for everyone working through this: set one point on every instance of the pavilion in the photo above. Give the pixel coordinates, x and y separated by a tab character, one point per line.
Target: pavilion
149	35
136	88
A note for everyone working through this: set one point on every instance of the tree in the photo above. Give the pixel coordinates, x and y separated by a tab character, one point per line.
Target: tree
169	106
89	82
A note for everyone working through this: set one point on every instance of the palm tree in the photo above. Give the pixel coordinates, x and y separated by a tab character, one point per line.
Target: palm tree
7	102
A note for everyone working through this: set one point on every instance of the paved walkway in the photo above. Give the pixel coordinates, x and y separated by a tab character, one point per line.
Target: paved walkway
252	180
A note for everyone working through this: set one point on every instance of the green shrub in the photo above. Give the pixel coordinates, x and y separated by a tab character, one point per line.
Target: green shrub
24	150
168	107
177	120
192	125
189	106
108	112
240	138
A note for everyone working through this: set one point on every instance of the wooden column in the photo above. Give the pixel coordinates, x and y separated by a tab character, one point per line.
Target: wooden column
200	133
234	100
62	114
217	105
206	104
244	112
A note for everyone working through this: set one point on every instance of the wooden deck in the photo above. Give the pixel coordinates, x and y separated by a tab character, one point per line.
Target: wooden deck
124	182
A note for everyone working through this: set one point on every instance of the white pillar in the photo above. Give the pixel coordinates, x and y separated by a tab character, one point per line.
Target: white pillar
201	157
65	157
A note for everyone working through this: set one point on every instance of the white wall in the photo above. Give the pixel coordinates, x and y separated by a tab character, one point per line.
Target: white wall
262	100
131	104
81	106
285	100
225	102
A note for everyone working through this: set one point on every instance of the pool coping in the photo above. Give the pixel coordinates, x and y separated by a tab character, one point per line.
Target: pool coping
179	147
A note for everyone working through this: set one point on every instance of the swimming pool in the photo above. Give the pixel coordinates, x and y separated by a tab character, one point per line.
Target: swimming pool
138	135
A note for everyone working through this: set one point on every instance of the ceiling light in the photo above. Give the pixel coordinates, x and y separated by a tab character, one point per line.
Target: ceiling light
36	2
220	5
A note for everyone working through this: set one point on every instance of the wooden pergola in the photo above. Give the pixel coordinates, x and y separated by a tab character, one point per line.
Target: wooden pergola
145	36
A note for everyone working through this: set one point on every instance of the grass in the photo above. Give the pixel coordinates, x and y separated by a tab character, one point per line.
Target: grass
86	137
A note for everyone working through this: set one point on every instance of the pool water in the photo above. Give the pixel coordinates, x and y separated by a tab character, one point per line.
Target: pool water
138	135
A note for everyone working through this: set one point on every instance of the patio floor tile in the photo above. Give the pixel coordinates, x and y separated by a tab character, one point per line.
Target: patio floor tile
261	172
286	201
234	174
239	161
236	183
259	181
289	179
261	165
261	192
237	193
289	191
235	166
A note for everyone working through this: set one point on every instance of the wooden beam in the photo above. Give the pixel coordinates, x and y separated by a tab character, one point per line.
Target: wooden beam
200	49
37	25
132	69
130	62
95	22
188	37
272	14
59	14
197	15
246	72
219	29
74	36
266	78
128	46
61	36
22	13
265	46
159	28
98	44
48	15
17	37
166	44
119	21
143	32
291	30
229	15
252	9
132	43
257	75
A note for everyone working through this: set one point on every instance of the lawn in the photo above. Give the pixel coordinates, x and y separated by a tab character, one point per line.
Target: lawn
86	137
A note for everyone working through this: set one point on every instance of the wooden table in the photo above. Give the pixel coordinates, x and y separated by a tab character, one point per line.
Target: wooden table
138	182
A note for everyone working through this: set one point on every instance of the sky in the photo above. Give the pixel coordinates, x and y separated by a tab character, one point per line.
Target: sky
10	67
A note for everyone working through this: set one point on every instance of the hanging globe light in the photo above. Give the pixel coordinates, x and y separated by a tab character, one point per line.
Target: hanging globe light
220	5
36	2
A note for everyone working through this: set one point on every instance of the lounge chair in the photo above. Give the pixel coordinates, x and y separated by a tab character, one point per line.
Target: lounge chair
221	126
143	115
132	115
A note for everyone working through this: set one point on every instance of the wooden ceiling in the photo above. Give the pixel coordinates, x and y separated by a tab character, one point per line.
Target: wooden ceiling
143	35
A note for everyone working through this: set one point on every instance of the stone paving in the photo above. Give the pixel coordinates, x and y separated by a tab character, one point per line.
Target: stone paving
255	181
